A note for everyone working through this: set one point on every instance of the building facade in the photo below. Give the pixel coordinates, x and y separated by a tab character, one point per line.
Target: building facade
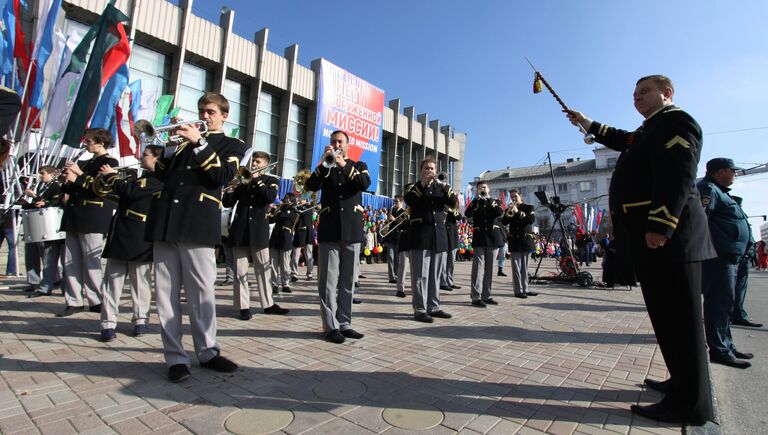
576	181
272	97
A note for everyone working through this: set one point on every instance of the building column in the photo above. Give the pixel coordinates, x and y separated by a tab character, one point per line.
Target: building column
260	38
286	100
226	21
410	113
177	61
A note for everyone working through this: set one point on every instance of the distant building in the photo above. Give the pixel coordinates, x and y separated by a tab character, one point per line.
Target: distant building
764	232
576	182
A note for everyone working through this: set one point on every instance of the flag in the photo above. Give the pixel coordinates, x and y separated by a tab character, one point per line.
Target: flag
62	95
105	35
49	11
124	137
19	48
135	88
536	83
104	114
163	104
579	216
147	105
503	199
8	39
116	56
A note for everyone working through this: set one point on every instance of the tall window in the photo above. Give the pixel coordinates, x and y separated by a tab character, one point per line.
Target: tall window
237	95
153	69
382	190
267	125
397	183
195	81
585	186
296	145
413	172
562	188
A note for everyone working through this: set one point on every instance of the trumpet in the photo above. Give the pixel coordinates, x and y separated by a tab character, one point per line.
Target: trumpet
329	159
392	225
482	194
150	134
245	176
442	178
306	208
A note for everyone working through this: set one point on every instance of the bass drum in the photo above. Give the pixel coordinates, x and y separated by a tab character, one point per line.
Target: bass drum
42	225
226	220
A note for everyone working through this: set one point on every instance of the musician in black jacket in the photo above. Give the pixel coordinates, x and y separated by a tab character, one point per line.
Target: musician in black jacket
303	240
127	256
483	210
661	231
47	255
285	218
86	220
452	227
427	240
185	224
339	234
392	240
520	218
249	234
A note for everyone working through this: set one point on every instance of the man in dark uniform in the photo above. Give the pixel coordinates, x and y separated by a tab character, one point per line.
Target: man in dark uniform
739	314
483	211
427	240
48	195
303	240
403	254
126	255
392	240
249	234
185	224
730	231
520	218
339	234
86	220
661	230
285	219
452	219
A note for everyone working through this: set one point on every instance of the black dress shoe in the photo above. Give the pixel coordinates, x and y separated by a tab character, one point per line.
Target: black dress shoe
224	282
455	287
400	294
245	314
743	355
38	294
68	311
440	314
730	362
446	288
660	386
531	293
393	281
423	317
501	272
276	309
95	308
357	301
490	301
362	276
178	373
30	288
746	322
287	289
657	412
351	333
294	279
335	337
521	295
220	364
479	303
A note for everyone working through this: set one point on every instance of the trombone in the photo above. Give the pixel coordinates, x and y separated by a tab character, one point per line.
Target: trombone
392	225
245	176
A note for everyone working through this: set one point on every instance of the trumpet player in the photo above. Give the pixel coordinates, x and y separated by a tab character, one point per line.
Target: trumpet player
126	256
427	240
249	234
520	218
185	224
86	220
486	238
340	234
285	219
303	240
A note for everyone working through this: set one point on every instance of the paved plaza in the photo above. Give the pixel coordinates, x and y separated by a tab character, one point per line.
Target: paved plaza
571	360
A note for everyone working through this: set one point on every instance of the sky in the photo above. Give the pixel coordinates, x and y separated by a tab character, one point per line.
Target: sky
464	63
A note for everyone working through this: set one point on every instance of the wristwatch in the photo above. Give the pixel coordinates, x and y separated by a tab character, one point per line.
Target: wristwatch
202	142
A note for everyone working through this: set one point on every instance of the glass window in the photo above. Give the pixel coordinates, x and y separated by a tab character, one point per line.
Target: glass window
612	161
195	81
414	165
382	190
237	121
562	188
296	145
153	69
585	186
397	183
541	188
267	124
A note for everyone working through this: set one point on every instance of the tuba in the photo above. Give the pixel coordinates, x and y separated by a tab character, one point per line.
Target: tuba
299	185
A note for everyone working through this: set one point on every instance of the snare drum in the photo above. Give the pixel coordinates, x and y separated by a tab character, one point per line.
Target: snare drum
42	225
226	220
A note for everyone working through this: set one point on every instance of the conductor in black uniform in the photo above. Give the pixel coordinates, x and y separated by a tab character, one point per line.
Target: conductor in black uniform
339	234
660	228
86	220
185	224
427	240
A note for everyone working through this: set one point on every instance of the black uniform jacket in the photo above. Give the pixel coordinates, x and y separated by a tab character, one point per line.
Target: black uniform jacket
286	218
305	230
250	225
86	212
188	209
485	229
394	236
452	227
48	193
520	228
341	210
124	241
652	188
426	229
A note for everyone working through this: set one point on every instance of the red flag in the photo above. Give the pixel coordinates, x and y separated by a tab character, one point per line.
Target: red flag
116	56
124	138
20	49
578	214
503	199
